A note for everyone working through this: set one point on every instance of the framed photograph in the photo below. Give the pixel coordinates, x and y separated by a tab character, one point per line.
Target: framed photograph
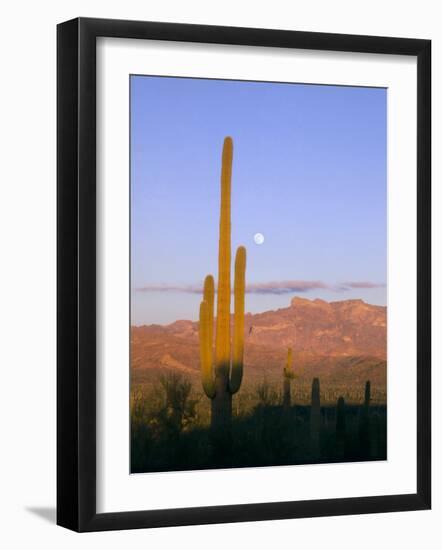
243	274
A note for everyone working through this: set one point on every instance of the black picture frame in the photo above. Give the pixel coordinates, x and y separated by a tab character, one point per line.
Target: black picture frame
76	274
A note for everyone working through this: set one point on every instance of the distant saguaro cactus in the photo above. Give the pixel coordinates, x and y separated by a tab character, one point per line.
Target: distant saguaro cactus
340	427
315	419
288	376
367	397
222	376
364	423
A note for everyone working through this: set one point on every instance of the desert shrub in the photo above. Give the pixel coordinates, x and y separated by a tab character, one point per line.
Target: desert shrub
170	421
178	411
267	394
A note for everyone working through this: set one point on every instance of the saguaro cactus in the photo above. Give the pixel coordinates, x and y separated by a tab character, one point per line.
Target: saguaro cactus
340	427
222	376
364	423
315	418
367	397
288	376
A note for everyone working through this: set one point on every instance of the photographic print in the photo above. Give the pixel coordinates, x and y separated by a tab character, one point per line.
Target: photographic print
258	291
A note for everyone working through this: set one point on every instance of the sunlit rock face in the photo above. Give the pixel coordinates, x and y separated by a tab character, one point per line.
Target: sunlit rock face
346	338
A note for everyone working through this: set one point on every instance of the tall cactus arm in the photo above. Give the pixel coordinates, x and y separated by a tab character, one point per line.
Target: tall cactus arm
238	330
206	350
316	398
209	297
222	344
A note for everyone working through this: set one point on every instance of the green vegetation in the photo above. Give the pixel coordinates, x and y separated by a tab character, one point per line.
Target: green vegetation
170	427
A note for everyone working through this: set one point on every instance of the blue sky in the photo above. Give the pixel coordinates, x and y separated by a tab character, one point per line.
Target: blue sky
309	173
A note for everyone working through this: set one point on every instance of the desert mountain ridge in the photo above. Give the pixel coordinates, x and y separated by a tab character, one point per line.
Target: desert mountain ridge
339	339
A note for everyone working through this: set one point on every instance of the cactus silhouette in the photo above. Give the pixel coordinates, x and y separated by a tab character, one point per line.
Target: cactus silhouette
364	422
340	427
288	376
367	394
315	418
222	374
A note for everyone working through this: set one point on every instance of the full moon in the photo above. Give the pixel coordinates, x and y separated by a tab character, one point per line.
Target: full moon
258	238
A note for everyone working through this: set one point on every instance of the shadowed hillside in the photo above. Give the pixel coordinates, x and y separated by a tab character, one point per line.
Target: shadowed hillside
343	343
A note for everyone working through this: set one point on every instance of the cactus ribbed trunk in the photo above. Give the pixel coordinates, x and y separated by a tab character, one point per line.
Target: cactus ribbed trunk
206	336
315	419
222	376
238	327
288	375
222	402
367	396
221	408
286	393
222	345
364	423
340	428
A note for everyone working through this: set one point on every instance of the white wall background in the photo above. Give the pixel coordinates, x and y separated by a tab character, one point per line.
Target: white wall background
27	289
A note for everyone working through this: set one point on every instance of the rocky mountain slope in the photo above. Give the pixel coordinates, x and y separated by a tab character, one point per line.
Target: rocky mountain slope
344	342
